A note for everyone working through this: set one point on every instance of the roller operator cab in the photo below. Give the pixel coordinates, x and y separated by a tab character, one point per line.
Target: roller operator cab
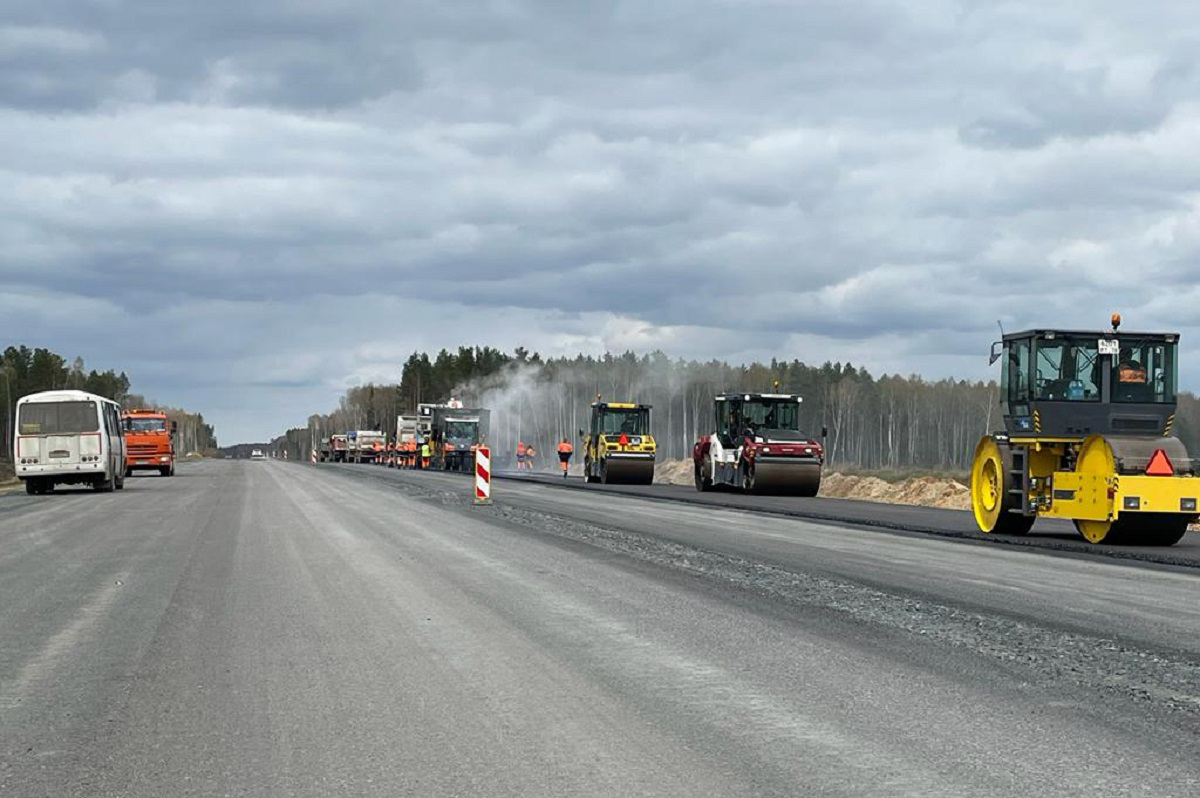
758	447
618	446
1088	420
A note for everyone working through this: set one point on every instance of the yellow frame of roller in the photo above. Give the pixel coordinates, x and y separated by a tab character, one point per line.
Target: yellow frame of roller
1097	479
608	461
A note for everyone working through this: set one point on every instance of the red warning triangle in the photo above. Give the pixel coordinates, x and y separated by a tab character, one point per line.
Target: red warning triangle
1160	465
624	441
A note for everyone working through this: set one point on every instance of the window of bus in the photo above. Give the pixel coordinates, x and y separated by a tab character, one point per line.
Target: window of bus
1145	371
58	418
1066	370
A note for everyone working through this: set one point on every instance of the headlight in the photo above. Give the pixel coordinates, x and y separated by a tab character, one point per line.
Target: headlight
766	450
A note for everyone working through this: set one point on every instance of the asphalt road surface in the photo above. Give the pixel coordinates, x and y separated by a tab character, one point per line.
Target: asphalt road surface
284	630
1047	534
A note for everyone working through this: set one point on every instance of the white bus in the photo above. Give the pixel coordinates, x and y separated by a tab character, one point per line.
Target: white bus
69	438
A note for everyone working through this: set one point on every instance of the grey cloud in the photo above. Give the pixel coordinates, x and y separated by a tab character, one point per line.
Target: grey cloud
292	196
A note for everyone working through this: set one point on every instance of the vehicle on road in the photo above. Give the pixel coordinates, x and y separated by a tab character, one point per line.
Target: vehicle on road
455	433
365	446
69	438
406	441
257	454
149	442
758	447
618	446
339	447
1088	423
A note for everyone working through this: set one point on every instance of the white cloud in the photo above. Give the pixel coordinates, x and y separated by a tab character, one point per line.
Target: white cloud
267	202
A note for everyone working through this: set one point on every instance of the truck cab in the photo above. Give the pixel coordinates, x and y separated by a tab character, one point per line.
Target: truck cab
149	441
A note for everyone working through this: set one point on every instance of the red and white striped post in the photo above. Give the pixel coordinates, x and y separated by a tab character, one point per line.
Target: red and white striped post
483	475
314	456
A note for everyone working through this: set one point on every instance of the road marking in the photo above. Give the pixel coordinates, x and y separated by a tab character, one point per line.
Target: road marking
40	668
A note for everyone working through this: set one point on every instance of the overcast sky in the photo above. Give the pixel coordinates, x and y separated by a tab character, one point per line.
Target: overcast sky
250	206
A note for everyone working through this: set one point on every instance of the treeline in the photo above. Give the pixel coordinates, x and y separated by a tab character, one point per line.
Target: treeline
24	371
885	422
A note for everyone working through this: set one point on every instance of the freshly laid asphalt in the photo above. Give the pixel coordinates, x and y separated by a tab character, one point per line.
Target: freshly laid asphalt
286	630
1046	535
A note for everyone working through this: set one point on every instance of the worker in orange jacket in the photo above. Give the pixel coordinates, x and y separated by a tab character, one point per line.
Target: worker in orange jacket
520	455
565	450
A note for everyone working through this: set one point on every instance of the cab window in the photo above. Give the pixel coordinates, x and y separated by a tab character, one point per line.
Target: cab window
1066	370
1015	375
1145	371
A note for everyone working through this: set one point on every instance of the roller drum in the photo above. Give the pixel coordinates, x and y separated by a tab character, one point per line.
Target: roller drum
1131	454
788	477
624	470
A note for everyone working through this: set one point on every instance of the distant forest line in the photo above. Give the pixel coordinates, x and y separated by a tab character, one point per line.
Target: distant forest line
24	371
885	422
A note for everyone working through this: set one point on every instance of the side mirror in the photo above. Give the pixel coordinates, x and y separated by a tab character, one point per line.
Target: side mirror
174	427
824	432
997	352
582	434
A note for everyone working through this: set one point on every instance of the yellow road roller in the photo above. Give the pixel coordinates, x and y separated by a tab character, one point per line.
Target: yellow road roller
618	448
1088	422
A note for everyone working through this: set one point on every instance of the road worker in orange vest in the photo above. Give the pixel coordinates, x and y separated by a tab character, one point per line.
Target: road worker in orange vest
565	450
520	455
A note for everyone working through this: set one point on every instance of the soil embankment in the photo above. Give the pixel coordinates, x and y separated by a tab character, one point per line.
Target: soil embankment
925	491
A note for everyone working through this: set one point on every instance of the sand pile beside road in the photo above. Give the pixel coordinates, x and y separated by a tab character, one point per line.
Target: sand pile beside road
674	472
923	491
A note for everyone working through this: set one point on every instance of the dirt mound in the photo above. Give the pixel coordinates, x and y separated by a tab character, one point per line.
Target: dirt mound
674	472
923	491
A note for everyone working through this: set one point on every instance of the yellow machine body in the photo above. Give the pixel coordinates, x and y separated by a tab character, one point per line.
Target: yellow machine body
1088	418
1106	492
618	447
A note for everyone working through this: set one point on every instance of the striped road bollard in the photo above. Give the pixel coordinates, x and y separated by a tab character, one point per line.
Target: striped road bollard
483	475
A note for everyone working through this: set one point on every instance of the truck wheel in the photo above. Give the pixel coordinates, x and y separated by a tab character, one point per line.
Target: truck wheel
119	481
105	484
31	487
165	471
703	478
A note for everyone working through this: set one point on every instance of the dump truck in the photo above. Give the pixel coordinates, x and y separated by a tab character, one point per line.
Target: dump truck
455	433
406	441
1088	437
618	447
758	447
339	447
149	441
365	446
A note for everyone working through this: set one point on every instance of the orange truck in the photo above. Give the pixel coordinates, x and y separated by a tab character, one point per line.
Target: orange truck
149	442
